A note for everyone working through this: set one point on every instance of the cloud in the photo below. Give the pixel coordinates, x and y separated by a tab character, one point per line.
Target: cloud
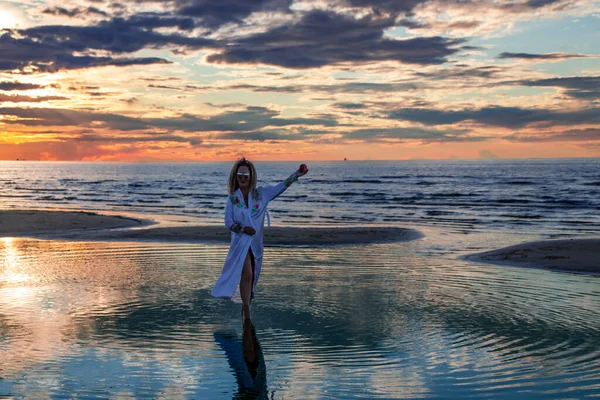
252	118
117	36
464	72
487	155
571	135
75	12
407	7
215	13
542	57
350	106
351	87
4	98
579	87
323	38
412	133
29	55
6	85
506	117
262	136
137	139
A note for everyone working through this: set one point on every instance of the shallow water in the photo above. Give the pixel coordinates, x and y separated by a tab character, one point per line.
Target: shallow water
119	320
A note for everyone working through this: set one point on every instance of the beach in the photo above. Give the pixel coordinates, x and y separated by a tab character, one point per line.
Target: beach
67	225
120	304
379	280
40	222
576	255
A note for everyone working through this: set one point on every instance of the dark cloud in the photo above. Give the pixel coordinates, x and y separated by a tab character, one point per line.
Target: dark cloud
547	56
185	88
28	99
407	7
465	72
116	36
350	106
506	117
253	118
464	24
533	5
161	20
262	136
322	38
138	139
75	12
130	101
579	87
542	3
571	135
412	133
386	6
411	24
34	55
18	86
65	117
250	119
215	13
352	87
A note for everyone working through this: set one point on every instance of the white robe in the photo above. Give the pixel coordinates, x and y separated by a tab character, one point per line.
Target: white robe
237	216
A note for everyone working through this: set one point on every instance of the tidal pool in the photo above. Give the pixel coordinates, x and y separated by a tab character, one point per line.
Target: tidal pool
113	320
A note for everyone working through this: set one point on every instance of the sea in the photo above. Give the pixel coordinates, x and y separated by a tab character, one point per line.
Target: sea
556	196
135	320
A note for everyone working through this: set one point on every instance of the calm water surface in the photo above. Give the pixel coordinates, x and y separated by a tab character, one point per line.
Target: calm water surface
407	320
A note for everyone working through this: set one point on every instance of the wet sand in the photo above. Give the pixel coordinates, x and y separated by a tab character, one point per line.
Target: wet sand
576	255
580	255
40	222
92	226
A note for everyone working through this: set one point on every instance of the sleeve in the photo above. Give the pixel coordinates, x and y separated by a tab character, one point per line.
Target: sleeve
271	192
230	223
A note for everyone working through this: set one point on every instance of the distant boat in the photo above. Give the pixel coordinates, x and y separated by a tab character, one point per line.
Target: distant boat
345	159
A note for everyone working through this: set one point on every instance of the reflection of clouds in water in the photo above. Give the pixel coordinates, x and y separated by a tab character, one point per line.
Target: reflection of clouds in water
29	324
137	320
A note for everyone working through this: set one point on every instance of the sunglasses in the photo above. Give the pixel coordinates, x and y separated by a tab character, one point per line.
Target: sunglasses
245	175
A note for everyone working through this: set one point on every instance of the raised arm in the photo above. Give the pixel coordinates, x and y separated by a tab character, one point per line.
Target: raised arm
271	192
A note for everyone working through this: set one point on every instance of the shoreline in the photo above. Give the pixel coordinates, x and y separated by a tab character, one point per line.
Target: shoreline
92	226
568	255
564	255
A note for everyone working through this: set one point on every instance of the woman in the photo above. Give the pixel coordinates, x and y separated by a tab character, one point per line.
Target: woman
245	217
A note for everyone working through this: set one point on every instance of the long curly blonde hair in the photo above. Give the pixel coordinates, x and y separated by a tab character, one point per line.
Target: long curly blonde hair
233	184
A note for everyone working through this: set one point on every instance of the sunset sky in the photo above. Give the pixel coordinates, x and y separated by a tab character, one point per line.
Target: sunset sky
200	80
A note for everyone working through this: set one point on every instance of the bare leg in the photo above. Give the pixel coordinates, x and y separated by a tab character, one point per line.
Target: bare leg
246	287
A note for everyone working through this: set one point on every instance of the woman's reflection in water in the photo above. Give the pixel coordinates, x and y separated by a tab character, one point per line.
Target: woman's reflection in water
247	362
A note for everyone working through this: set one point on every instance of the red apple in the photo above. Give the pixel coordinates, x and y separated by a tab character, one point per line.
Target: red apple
303	168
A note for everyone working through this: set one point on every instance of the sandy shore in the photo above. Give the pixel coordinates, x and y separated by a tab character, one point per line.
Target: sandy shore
39	222
577	255
92	226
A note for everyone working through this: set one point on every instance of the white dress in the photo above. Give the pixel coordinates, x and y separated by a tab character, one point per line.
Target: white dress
237	216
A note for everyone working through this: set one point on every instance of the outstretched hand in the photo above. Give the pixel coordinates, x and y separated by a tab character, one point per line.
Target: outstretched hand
248	230
303	170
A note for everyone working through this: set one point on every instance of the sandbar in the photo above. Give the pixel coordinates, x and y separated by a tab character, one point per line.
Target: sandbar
41	222
78	226
574	255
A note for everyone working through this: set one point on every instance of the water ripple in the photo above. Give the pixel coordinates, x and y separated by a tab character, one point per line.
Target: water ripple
375	321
